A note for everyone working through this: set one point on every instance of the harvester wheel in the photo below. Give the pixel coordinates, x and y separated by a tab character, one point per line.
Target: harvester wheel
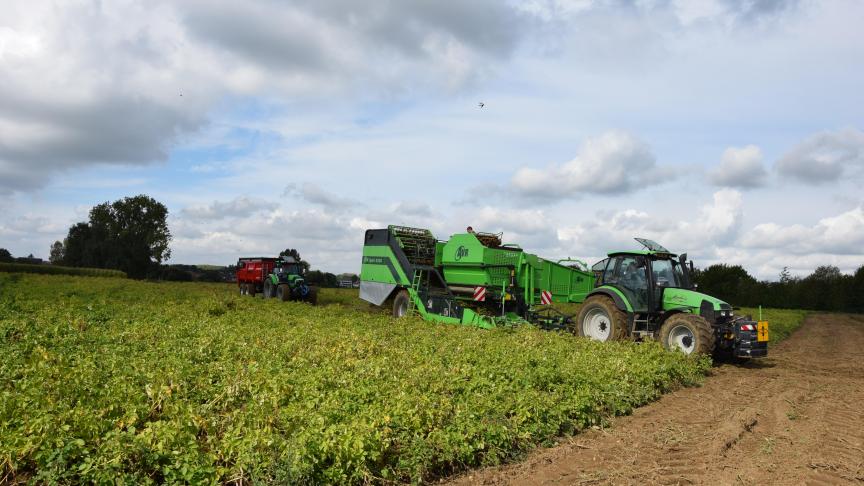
688	333
250	289
283	292
601	320
242	289
400	304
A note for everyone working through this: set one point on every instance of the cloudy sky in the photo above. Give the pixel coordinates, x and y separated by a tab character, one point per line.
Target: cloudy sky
730	129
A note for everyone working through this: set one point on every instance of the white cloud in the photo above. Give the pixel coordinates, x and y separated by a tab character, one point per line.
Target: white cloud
530	228
327	240
236	208
614	162
740	167
842	234
716	225
122	83
825	157
315	194
412	208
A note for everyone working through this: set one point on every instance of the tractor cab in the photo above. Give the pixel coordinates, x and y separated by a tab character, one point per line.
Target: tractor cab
644	275
288	266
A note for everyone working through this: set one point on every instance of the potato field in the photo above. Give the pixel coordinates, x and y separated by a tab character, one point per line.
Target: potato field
113	380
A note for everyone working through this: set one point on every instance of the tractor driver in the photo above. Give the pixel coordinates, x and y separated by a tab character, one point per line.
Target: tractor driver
634	275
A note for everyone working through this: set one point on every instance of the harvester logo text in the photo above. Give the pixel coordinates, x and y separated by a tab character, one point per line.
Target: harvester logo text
461	252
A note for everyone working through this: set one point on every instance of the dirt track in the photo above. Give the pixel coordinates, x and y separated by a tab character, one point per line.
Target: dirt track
796	417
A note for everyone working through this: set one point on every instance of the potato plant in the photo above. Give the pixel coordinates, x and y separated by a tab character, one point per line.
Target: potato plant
112	380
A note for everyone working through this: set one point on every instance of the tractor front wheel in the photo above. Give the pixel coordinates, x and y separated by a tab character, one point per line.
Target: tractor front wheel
283	292
688	333
400	304
312	296
600	320
268	289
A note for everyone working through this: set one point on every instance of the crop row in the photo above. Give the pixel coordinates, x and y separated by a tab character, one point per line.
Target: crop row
60	270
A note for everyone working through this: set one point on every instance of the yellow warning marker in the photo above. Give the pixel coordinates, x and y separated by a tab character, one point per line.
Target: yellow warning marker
762	331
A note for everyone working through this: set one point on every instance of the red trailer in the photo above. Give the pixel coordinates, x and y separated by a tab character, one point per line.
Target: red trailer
251	273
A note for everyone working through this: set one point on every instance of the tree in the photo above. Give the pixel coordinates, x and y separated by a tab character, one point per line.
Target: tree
130	234
291	252
729	282
322	279
5	256
57	252
785	276
857	301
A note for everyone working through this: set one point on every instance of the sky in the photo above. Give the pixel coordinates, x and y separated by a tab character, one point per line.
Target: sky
732	130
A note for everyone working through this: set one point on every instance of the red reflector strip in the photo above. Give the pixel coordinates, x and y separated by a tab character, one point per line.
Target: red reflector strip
480	294
748	327
545	297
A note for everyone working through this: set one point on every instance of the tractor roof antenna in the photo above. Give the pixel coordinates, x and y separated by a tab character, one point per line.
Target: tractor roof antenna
651	245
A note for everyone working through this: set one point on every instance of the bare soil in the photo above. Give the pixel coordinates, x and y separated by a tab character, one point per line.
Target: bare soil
796	417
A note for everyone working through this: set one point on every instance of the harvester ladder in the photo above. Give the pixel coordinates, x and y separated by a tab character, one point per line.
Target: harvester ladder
416	281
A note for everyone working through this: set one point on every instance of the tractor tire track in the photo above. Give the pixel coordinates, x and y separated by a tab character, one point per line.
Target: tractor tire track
796	417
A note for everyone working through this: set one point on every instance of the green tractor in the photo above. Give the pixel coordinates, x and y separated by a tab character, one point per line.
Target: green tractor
648	294
286	282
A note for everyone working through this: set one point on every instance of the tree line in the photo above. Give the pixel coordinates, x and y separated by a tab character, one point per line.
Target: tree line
132	235
826	289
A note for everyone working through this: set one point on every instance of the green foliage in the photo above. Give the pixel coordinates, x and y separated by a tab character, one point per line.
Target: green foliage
57	254
826	289
60	270
119	381
321	279
781	322
5	256
130	234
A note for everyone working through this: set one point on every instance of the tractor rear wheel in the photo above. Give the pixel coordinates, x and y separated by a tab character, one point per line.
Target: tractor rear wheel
400	304
688	333
601	320
283	292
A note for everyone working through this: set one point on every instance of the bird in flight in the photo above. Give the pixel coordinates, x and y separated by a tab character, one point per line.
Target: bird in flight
481	104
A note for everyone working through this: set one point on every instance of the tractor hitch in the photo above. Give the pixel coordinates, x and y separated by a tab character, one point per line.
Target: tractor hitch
749	341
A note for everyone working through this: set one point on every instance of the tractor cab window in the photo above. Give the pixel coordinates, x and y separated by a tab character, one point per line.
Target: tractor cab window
599	270
629	273
290	268
667	273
